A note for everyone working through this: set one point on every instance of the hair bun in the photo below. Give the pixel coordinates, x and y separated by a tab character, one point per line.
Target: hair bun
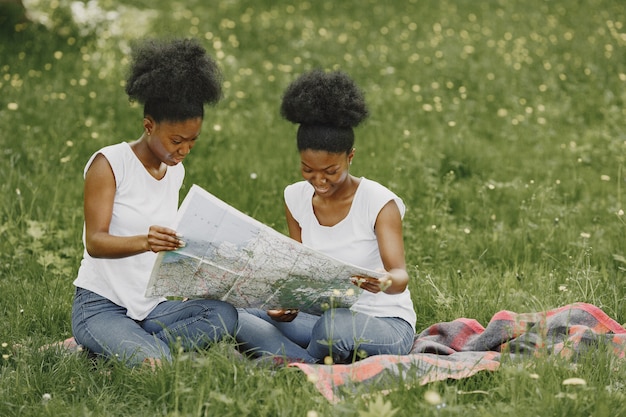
324	99
178	71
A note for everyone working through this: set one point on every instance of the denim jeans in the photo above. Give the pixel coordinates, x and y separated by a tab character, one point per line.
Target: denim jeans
103	327
340	333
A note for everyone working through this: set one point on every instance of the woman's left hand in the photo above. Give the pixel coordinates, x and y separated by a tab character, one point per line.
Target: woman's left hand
373	285
283	315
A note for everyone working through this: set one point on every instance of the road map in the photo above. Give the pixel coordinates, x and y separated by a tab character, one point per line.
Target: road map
232	257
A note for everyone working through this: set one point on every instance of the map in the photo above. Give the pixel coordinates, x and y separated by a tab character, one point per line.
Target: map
232	257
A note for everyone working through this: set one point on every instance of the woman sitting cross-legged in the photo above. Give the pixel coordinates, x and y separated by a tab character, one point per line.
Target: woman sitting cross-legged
353	219
130	203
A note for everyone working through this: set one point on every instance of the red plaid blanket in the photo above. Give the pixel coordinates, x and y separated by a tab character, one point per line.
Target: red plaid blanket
462	347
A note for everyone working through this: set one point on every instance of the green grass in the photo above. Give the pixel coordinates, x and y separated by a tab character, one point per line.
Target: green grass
501	124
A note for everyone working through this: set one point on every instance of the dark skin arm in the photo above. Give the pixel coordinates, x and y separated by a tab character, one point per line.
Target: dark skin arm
295	232
99	195
388	230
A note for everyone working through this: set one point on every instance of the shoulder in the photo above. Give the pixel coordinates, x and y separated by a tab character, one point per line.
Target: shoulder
374	186
298	189
118	149
111	153
114	152
378	195
297	196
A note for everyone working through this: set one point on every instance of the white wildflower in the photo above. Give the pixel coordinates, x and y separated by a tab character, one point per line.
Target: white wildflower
432	397
574	381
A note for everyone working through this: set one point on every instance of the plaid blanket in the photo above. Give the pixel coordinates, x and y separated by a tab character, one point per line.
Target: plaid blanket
463	347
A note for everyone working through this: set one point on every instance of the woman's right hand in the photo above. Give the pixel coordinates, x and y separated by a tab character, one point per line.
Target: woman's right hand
163	239
283	314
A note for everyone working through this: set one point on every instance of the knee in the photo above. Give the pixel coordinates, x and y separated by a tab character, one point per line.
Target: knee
248	324
334	329
228	316
334	336
218	314
333	323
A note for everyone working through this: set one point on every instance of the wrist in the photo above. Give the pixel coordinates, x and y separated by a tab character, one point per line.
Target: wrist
398	280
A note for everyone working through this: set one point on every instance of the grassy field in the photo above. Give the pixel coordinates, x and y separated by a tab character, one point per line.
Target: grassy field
502	124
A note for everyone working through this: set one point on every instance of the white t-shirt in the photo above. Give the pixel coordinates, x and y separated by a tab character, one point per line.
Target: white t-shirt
140	202
353	240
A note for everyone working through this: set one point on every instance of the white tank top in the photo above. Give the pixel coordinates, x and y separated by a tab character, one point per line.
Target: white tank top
140	201
353	240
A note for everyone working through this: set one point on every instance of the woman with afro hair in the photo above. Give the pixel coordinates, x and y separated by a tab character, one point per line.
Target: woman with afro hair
353	219
130	202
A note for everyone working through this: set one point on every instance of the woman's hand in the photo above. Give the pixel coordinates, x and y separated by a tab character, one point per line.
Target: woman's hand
373	285
163	239
393	282
283	315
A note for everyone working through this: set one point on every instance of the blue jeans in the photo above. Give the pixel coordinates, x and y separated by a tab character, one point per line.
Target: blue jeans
340	333
103	327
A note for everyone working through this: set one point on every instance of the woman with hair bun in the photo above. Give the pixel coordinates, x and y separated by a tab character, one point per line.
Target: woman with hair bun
352	219
130	202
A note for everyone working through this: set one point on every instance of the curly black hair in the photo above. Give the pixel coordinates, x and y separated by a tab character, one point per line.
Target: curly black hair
327	105
173	79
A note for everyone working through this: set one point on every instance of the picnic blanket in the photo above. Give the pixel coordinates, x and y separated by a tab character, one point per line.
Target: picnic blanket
463	347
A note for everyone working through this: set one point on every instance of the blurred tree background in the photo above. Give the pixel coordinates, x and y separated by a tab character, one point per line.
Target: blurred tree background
11	12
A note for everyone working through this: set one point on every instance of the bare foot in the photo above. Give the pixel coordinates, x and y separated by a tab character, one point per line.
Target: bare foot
152	363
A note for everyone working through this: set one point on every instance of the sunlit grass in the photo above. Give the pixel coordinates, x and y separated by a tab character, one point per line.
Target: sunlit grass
501	124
